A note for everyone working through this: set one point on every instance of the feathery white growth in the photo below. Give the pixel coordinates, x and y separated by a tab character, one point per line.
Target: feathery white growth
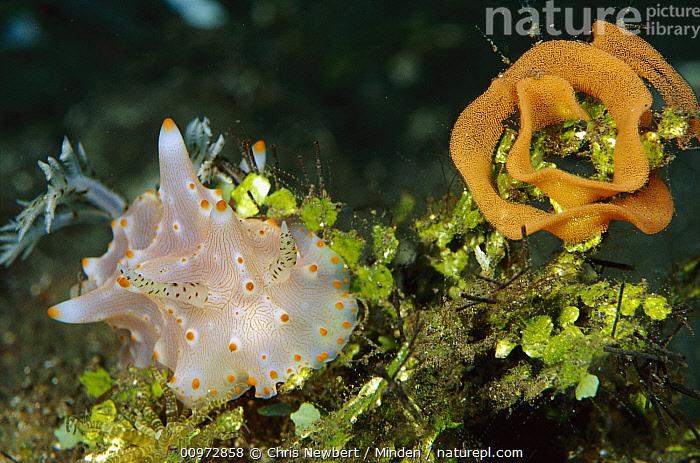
190	293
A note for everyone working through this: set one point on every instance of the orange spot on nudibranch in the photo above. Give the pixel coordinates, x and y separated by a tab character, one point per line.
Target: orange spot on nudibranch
204	204
230	378
238	390
273	374
251	381
340	340
195	383
85	262
172	380
217	192
232	347
334	259
123	282
266	390
346	324
123	222
339	305
175	226
130	254
53	312
113	223
240	260
191	185
189	336
284	317
221	205
249	286
313	268
319	243
297	358
323	331
214	391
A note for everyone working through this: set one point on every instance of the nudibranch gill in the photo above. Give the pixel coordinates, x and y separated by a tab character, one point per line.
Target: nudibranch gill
226	303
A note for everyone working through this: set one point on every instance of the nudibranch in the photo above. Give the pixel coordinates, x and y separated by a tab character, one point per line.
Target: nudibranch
541	84
226	303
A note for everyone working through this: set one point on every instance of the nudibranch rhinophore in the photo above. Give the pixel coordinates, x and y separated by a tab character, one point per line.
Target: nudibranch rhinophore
225	302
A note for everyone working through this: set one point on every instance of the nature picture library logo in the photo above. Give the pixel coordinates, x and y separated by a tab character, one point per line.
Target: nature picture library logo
657	20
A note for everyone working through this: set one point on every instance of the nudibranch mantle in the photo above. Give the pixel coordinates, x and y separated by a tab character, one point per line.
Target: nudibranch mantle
225	302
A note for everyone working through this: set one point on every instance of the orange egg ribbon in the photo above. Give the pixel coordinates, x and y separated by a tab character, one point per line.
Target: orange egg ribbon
542	84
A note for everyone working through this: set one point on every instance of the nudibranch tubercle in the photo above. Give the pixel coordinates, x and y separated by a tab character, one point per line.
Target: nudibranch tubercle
225	302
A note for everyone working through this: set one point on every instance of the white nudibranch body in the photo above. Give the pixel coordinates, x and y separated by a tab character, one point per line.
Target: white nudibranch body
226	303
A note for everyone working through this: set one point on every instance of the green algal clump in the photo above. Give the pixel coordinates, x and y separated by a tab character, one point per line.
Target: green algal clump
673	124
656	307
281	203
149	429
96	382
249	194
318	213
375	282
451	239
348	245
384	243
304	419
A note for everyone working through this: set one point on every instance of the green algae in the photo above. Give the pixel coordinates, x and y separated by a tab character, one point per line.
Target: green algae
375	283
96	382
656	307
385	245
318	213
281	203
304	419
251	193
